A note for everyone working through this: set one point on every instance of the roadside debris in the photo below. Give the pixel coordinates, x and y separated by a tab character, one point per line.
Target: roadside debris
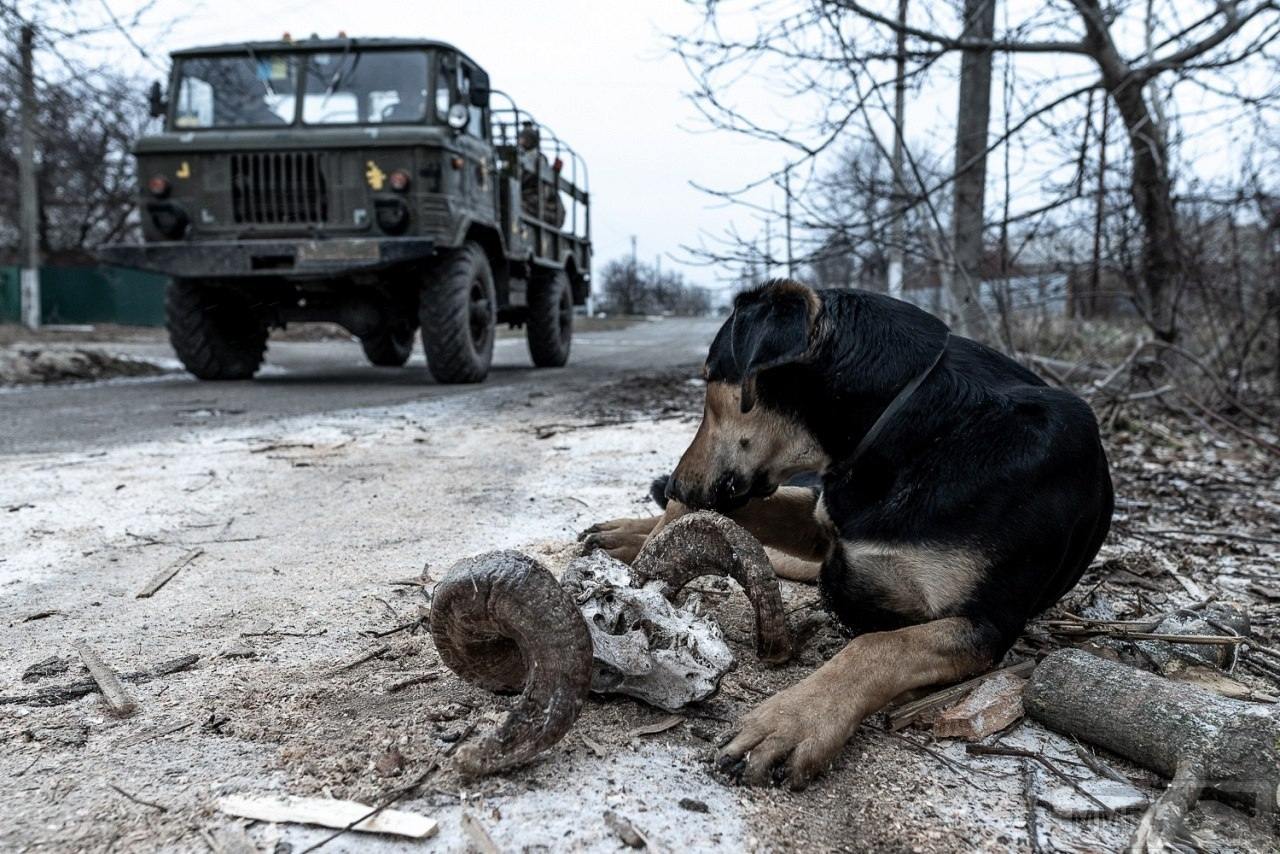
478	835
108	683
1117	798
624	830
643	645
138	800
707	543
390	763
59	365
669	722
376	652
54	665
163	577
501	621
326	812
1196	737
924	708
56	695
992	706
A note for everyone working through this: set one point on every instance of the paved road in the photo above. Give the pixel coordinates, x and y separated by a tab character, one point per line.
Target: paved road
303	378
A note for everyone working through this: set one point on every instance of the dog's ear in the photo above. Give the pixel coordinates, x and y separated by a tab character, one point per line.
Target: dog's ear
770	328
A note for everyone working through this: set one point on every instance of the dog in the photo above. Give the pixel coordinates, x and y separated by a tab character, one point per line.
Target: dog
959	496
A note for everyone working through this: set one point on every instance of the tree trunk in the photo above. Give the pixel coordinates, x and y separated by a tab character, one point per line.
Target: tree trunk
972	117
1200	738
1150	184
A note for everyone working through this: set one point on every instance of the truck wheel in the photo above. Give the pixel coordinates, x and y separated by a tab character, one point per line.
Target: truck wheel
390	347
214	330
459	313
550	320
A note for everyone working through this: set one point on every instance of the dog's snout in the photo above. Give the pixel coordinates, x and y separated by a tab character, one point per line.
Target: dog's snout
676	491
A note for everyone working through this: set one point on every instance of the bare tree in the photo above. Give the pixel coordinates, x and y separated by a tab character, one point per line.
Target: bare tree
835	56
89	114
637	288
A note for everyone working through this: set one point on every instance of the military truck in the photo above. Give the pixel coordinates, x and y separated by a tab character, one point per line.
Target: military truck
380	184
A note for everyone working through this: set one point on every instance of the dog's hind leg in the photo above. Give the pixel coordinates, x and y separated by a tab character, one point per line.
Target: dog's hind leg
793	568
797	733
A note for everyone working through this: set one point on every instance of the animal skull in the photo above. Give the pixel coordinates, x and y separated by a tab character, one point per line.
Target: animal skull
643	645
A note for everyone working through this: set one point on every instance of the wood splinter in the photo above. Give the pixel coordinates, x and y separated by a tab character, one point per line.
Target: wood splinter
112	691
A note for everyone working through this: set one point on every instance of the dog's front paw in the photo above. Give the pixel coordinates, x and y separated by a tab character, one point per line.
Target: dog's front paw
793	736
619	538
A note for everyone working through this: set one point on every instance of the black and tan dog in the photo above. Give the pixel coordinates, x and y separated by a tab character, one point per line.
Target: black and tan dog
959	496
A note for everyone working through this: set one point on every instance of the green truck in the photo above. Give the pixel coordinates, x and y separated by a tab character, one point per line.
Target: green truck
380	184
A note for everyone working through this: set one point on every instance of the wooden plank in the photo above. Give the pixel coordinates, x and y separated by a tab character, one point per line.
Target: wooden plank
161	578
326	812
905	714
989	708
119	701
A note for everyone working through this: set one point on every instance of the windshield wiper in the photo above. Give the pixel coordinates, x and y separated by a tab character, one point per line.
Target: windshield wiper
338	73
266	81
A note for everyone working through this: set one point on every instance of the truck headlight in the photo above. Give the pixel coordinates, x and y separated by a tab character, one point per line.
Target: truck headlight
398	181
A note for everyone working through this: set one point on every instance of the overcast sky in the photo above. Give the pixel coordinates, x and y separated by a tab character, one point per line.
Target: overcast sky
601	73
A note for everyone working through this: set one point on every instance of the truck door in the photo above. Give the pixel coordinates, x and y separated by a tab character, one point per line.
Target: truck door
478	177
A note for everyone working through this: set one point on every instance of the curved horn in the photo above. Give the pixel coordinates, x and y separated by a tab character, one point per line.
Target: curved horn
501	621
705	543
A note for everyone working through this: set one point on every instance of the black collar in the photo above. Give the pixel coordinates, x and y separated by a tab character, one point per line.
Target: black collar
898	402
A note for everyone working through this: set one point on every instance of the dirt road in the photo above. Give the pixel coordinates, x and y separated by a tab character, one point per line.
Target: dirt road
306	378
298	511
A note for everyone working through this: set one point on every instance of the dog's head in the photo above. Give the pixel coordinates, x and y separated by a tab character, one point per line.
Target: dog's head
747	444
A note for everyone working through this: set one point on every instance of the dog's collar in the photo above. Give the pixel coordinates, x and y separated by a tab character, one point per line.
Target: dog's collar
898	402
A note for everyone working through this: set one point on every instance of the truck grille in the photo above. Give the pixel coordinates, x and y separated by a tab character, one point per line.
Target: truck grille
279	189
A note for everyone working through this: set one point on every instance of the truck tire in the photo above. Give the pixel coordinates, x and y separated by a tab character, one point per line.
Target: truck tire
390	347
459	316
550	320
214	330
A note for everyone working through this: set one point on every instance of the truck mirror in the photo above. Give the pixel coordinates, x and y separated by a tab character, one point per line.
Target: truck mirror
479	89
155	100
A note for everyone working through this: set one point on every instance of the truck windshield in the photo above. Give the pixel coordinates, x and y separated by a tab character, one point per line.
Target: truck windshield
365	87
342	87
243	90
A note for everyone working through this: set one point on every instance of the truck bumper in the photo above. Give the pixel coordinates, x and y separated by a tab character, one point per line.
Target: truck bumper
266	258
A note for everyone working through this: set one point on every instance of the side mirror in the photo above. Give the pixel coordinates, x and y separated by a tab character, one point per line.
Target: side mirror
156	101
479	89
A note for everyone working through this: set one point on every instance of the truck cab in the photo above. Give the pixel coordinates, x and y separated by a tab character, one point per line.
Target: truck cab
381	184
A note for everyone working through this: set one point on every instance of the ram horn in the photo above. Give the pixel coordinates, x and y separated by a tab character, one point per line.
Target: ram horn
502	622
706	543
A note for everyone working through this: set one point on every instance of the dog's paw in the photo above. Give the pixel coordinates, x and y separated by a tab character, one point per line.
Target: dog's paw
621	539
791	737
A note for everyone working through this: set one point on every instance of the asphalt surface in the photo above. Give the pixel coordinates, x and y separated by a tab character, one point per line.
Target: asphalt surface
306	378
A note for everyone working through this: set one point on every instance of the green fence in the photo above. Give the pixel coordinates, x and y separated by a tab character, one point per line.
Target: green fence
88	295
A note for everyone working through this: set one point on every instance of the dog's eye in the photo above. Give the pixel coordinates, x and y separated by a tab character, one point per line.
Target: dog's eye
744	442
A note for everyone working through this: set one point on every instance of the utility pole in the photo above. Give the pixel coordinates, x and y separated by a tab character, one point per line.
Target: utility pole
972	117
897	230
786	188
27	188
